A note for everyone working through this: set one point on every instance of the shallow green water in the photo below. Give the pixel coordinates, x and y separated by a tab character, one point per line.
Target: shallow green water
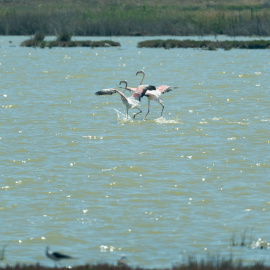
78	177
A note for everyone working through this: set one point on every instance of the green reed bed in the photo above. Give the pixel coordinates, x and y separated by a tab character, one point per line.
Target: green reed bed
205	44
154	17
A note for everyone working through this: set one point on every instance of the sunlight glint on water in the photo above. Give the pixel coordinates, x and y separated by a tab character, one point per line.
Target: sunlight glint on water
77	176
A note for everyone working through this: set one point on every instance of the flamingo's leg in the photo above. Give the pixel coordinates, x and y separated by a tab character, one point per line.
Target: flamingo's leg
148	107
162	108
161	103
137	112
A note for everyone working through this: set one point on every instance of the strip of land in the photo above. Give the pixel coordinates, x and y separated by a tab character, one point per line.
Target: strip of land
59	43
65	41
205	44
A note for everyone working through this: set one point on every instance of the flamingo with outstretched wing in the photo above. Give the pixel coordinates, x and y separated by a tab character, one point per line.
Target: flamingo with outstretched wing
153	94
131	102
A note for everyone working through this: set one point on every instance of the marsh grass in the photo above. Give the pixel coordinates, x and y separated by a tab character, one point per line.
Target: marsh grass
246	238
211	263
131	17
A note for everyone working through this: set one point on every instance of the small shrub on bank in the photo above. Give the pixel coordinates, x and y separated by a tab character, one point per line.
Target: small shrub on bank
64	37
39	36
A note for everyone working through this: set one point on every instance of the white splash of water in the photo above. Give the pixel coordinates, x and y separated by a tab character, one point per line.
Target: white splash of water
122	117
162	120
261	244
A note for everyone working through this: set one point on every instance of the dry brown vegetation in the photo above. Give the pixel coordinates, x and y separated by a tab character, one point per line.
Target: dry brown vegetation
211	264
135	17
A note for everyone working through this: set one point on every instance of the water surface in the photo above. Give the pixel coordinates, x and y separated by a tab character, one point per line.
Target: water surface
77	176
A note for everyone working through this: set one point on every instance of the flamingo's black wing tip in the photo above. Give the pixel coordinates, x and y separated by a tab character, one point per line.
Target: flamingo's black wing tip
105	92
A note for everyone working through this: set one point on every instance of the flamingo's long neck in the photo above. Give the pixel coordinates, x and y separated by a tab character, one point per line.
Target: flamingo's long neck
125	86
142	78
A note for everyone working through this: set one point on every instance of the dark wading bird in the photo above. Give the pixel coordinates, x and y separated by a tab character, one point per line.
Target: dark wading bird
56	256
131	102
153	95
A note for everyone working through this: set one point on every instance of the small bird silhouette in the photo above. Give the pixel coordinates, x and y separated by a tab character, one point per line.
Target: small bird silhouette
56	256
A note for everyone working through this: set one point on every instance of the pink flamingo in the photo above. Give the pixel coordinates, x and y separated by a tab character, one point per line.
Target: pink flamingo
131	102
154	94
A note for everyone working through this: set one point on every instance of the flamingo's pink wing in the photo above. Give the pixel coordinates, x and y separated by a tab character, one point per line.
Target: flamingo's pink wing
140	91
165	88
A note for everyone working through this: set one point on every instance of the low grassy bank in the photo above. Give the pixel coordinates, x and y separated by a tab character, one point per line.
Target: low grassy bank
131	17
205	44
64	40
86	43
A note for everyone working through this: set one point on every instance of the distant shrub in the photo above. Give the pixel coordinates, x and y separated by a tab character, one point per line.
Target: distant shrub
64	37
42	44
39	36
